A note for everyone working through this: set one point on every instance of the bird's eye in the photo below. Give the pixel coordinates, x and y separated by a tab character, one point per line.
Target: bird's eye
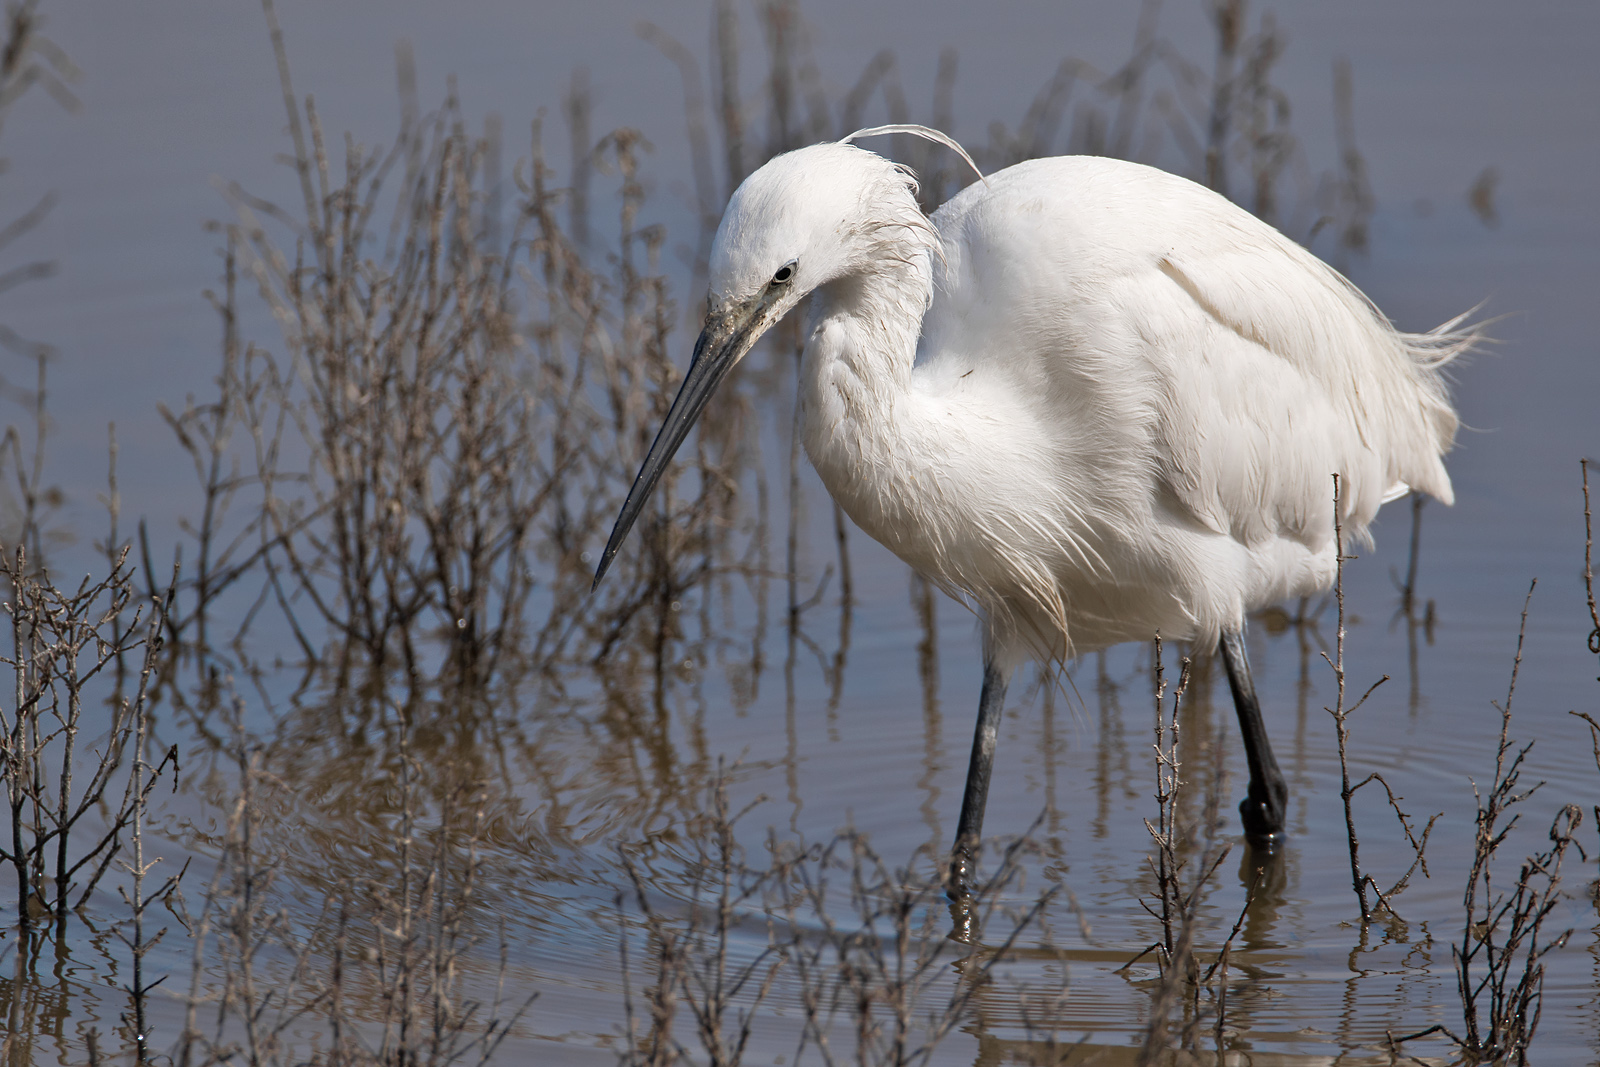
785	272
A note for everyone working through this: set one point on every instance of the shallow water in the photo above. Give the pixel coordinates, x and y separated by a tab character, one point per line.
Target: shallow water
1441	93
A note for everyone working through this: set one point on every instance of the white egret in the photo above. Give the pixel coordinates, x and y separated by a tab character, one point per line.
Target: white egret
1095	401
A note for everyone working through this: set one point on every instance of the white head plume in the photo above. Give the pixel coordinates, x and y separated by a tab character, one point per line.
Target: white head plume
927	133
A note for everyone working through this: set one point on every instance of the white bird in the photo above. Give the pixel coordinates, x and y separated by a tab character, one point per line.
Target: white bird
1094	401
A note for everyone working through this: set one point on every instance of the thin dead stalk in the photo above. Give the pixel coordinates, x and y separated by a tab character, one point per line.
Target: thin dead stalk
1179	895
1588	562
1361	881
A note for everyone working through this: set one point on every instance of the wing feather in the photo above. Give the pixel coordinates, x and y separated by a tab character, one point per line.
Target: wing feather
1177	334
1285	375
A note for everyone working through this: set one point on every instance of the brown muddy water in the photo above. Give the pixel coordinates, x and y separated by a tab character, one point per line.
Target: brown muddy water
558	813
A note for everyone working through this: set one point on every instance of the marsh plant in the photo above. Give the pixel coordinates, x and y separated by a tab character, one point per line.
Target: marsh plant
376	625
419	470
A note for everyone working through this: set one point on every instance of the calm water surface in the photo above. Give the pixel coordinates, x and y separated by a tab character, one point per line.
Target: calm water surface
177	97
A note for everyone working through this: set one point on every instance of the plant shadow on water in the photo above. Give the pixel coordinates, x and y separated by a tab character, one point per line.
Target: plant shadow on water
440	802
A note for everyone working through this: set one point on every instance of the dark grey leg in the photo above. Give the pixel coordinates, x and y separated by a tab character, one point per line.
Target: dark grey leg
1263	808
969	829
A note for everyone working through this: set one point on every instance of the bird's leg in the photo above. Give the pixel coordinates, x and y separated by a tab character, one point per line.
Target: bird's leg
1263	808
969	829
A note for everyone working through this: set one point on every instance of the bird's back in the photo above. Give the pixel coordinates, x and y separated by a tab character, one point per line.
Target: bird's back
1212	361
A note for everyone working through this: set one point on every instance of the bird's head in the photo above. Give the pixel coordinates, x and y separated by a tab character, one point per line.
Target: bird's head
802	220
806	218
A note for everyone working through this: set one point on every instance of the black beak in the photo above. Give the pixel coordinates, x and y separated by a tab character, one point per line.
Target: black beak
722	343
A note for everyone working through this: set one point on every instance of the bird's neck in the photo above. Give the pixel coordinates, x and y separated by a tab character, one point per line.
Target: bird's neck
856	381
863	335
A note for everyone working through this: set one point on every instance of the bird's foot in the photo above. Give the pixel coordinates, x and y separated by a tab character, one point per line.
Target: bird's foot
963	874
962	896
1263	815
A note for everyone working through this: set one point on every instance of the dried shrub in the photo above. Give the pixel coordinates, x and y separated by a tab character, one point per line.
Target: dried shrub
453	419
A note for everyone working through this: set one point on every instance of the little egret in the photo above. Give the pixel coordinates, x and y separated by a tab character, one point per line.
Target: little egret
1092	400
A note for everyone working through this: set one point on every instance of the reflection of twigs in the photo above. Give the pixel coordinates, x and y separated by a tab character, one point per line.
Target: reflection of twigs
693	963
1221	965
1238	924
877	971
880	967
1394	1042
419	912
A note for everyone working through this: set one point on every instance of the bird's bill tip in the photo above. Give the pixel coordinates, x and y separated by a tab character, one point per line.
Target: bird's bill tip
721	344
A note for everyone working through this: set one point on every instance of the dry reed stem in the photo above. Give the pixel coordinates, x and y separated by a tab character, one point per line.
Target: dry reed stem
1360	880
1588	562
1179	982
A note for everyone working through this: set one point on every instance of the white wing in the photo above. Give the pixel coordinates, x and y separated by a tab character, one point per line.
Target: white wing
1236	368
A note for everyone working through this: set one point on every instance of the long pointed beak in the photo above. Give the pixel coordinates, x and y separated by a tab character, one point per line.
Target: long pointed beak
723	342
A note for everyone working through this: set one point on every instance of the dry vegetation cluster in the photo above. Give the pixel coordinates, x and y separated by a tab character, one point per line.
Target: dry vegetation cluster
396	501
